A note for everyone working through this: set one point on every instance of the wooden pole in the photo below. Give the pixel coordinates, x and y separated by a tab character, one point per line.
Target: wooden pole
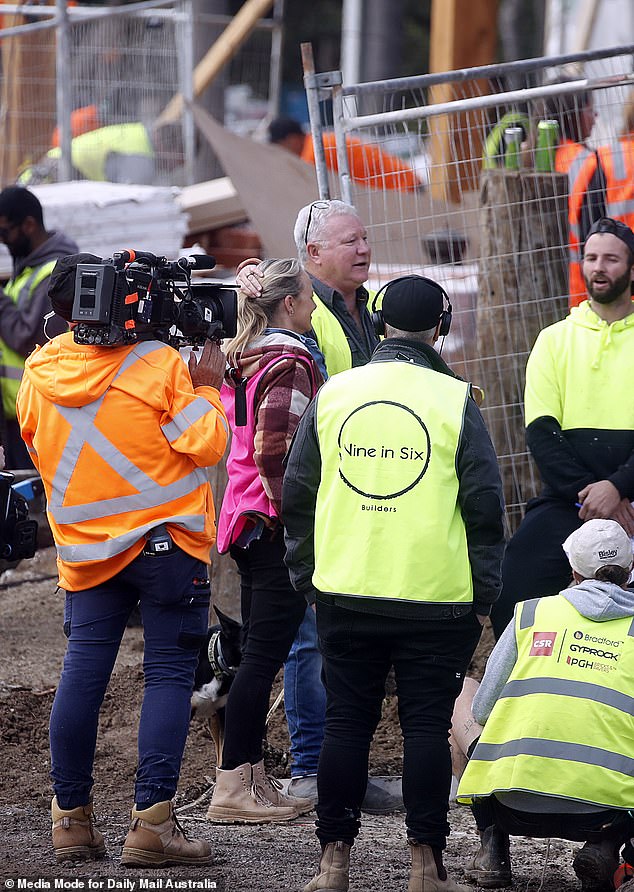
27	98
463	35
219	54
523	287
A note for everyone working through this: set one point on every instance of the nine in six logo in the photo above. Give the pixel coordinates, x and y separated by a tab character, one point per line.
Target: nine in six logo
384	450
543	644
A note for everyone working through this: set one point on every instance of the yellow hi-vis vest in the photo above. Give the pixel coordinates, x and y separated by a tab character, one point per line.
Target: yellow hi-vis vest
387	520
19	290
89	151
564	723
331	337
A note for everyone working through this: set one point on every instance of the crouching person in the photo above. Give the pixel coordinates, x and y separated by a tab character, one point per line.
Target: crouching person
392	503
122	436
556	755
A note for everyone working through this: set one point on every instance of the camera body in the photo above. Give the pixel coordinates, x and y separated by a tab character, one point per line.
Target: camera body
134	296
18	534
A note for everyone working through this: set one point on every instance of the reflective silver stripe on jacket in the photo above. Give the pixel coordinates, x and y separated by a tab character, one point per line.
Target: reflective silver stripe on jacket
101	551
584	690
620	208
618	161
12	372
555	749
527	616
150	494
187	418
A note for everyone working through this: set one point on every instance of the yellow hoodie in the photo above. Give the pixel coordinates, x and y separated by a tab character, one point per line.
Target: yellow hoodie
121	441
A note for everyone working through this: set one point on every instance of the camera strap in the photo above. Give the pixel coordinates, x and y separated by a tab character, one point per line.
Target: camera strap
240	388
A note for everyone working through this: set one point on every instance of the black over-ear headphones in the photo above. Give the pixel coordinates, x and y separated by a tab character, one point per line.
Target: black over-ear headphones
444	319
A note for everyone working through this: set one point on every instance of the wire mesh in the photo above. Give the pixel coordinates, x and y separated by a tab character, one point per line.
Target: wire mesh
123	66
480	219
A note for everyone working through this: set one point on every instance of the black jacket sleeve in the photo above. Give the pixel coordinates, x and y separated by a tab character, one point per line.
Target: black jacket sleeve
299	497
560	467
481	502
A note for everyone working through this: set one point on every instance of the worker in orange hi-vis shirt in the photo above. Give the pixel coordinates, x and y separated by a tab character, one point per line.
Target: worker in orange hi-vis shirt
369	165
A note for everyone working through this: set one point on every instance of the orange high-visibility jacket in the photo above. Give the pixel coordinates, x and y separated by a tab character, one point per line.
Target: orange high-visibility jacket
121	440
369	165
580	164
617	161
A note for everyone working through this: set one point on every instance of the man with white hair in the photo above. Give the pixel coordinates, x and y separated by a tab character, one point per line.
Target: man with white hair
556	755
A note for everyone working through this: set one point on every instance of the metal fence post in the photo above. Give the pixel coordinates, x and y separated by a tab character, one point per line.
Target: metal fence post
62	90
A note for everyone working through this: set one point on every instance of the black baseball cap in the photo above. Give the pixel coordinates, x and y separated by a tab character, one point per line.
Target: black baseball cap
613	227
412	303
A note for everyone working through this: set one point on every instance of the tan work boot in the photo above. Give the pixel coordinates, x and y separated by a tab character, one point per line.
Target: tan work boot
237	800
334	869
156	839
272	790
427	873
74	834
490	867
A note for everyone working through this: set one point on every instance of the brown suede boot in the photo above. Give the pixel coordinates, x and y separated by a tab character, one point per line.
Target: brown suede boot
334	868
427	873
74	834
237	800
490	867
156	839
272	790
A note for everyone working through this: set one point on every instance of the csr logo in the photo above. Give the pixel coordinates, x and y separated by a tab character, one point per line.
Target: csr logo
543	644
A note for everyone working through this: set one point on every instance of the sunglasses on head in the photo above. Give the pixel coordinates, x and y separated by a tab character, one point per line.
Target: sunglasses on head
320	206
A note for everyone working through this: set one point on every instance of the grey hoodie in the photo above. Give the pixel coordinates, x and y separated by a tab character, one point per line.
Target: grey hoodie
21	328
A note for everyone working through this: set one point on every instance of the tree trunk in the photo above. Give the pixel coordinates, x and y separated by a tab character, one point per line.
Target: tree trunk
523	287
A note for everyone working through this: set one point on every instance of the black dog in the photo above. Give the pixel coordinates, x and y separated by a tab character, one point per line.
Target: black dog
218	663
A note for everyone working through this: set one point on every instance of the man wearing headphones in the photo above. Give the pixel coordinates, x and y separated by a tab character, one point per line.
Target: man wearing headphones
394	460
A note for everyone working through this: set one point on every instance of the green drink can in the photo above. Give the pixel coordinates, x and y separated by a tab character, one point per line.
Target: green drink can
512	142
547	141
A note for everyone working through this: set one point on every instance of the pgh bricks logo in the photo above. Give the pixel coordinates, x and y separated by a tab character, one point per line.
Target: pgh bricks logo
543	644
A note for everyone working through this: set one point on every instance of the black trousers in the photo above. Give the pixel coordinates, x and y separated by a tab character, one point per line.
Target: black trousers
430	659
271	614
609	824
534	564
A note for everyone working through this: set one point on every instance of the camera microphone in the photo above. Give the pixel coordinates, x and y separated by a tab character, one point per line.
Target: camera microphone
200	261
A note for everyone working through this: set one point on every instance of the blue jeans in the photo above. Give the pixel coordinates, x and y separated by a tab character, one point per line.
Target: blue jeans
305	698
430	658
173	592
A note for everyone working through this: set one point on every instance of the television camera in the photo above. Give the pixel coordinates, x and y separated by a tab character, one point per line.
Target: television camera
18	534
135	295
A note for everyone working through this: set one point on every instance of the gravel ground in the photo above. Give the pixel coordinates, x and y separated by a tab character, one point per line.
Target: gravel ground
274	858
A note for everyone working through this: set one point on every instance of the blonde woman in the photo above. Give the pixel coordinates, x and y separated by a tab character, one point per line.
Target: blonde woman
274	375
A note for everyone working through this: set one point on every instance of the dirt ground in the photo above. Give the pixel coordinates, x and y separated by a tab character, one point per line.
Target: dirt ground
273	858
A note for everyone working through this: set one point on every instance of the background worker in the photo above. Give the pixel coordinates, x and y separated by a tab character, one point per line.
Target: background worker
586	179
578	410
132	516
332	246
117	153
394	460
24	301
556	753
369	165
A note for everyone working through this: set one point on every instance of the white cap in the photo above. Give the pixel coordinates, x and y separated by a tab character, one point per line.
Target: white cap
596	544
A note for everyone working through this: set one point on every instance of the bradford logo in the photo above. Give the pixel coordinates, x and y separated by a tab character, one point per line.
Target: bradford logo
543	644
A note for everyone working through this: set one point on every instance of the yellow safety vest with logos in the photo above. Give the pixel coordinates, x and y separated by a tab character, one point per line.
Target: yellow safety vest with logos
387	520
90	150
331	337
19	290
563	725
